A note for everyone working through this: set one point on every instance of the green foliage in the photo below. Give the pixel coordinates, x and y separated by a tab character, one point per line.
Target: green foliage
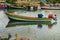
53	1
41	3
11	1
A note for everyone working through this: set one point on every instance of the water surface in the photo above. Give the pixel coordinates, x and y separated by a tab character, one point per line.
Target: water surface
35	31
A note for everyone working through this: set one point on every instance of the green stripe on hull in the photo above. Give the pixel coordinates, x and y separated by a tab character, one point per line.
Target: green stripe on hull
9	7
37	19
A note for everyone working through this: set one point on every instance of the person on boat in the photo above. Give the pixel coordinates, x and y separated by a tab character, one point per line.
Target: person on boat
40	15
34	8
50	15
28	7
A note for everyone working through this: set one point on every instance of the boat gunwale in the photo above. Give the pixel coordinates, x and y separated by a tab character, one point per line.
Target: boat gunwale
26	17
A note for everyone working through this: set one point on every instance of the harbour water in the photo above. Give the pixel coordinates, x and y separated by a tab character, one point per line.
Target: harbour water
34	30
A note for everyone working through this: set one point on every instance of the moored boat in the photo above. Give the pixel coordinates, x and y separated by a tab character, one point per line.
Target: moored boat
13	7
27	18
24	5
50	8
2	6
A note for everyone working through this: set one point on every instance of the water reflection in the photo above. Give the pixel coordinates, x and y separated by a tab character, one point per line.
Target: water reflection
39	24
51	25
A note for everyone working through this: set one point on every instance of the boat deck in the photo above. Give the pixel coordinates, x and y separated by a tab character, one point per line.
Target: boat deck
30	14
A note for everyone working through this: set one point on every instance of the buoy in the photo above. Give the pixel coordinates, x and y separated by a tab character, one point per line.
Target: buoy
50	15
40	15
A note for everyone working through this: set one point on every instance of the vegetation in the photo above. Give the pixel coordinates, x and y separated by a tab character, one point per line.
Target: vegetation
11	1
50	1
53	1
41	4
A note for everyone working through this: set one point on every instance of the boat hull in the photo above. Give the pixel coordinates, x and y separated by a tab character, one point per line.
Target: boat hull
28	19
27	8
17	8
2	7
50	8
10	7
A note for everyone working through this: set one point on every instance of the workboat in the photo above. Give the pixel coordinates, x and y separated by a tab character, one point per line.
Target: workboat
51	8
2	6
23	5
10	6
14	7
19	17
